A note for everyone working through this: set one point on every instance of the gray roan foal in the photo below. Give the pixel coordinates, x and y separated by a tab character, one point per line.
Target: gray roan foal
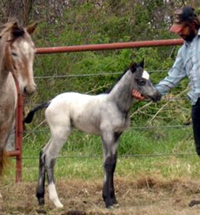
106	115
16	62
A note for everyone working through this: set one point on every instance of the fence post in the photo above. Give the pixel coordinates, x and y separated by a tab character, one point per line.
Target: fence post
19	133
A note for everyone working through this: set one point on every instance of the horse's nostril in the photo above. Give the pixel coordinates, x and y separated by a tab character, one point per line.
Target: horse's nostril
29	90
159	97
25	90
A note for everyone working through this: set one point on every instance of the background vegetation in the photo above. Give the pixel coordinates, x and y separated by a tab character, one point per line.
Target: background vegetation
156	128
63	23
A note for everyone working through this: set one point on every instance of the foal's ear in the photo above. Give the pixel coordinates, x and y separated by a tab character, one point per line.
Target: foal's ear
133	67
16	31
141	64
31	28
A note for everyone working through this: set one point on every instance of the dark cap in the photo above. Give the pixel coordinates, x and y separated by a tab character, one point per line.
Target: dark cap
181	16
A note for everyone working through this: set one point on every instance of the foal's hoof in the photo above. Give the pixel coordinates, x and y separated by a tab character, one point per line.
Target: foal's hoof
41	201
116	205
76	213
41	211
110	207
58	204
194	202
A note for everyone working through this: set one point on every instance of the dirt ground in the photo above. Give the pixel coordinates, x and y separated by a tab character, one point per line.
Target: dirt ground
145	196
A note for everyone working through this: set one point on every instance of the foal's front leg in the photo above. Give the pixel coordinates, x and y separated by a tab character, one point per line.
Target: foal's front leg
110	143
108	186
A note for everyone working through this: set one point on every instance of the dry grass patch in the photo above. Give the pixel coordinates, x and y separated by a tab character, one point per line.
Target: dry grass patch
147	195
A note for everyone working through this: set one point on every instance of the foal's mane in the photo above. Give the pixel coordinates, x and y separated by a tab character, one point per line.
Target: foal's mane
133	65
117	80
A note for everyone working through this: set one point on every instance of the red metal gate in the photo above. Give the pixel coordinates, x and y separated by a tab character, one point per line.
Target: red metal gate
18	135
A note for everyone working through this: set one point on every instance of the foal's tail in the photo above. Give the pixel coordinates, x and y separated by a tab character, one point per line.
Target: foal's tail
31	114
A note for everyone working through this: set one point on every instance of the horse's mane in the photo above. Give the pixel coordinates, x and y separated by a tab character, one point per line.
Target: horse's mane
5	28
131	67
117	80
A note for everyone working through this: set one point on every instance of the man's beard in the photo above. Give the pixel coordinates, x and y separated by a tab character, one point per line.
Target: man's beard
190	37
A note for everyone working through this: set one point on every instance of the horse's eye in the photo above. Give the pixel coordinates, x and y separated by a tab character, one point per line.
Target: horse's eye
13	54
141	82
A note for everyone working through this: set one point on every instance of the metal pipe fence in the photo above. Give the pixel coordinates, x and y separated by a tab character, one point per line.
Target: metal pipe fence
82	48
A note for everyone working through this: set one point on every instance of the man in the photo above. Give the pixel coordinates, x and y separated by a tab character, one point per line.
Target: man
187	25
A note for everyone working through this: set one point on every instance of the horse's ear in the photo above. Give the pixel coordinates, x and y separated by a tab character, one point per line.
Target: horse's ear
17	31
31	28
141	64
133	67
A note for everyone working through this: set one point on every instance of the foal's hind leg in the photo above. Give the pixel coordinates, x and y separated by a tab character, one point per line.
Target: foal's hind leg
47	162
41	183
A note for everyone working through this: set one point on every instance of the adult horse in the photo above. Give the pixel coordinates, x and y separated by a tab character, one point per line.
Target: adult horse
16	62
106	115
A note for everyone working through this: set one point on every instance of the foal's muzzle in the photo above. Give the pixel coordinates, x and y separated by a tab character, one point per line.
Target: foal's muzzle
156	97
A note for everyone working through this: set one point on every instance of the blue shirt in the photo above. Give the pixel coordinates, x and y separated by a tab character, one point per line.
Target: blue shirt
187	63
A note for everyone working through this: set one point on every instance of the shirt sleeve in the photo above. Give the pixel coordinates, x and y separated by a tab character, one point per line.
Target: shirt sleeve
175	74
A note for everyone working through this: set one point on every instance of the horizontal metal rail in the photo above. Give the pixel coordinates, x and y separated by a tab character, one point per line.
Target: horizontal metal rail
109	46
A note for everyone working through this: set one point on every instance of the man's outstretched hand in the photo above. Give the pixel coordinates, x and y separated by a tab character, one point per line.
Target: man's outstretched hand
137	95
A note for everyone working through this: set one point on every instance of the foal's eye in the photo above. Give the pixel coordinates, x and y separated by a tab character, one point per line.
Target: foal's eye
141	82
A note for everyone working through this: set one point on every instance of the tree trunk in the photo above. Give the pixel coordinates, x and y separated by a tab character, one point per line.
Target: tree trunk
19	9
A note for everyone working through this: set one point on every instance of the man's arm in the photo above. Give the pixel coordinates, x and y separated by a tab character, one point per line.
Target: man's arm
175	75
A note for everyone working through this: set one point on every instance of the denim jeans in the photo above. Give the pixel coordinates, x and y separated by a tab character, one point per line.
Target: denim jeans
196	125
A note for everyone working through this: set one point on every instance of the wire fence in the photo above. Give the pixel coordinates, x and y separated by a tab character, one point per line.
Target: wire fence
121	156
146	110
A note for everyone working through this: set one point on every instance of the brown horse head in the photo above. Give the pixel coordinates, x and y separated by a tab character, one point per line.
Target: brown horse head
16	56
19	54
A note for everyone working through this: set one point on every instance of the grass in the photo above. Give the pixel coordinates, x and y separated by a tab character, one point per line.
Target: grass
157	172
168	153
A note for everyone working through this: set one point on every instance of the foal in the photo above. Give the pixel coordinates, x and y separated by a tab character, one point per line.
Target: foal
16	62
106	115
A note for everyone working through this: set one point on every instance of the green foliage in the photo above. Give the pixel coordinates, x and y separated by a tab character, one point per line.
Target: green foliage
141	151
84	22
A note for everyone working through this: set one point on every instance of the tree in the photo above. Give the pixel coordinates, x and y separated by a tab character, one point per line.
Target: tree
19	9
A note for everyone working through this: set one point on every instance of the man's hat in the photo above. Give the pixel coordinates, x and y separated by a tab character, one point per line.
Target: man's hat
181	16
